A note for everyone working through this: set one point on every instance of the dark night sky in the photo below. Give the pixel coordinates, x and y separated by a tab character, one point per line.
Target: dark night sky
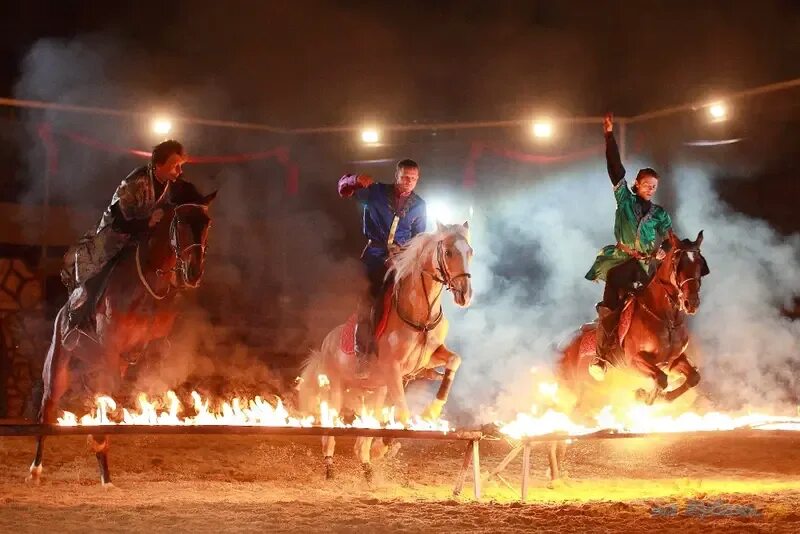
424	60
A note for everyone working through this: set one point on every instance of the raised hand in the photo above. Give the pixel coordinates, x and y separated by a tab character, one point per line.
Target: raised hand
608	123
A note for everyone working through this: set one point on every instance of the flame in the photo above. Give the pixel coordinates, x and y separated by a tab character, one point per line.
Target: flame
633	418
168	410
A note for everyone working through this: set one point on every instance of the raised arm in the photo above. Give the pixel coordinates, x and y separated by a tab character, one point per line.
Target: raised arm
616	172
350	183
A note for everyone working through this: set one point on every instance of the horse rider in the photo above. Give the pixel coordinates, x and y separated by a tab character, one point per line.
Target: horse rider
392	215
639	228
132	212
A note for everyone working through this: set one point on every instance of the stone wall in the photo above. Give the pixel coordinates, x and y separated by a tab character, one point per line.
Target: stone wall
24	336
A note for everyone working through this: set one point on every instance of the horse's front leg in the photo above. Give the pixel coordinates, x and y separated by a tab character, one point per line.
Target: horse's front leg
397	394
642	361
442	356
682	365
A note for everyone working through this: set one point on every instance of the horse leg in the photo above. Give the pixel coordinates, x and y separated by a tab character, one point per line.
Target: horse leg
328	445
397	395
691	377
382	446
362	449
56	382
100	449
329	442
660	380
451	361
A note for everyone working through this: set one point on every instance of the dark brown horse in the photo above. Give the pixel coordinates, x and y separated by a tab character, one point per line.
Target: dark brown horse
656	335
136	307
654	329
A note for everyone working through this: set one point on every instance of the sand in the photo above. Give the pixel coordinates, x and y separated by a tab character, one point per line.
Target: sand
257	484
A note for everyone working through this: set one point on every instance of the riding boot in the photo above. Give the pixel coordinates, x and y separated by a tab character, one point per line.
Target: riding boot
606	340
363	345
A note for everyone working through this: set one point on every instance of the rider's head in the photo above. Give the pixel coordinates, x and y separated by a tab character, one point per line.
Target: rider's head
167	159
646	183
406	176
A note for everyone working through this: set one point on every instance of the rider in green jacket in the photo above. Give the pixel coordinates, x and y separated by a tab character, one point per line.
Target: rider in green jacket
639	228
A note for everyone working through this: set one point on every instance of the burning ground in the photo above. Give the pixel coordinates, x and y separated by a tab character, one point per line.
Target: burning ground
198	484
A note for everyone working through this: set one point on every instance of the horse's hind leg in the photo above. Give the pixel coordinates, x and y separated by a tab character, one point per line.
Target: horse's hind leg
683	366
56	380
362	447
328	445
100	449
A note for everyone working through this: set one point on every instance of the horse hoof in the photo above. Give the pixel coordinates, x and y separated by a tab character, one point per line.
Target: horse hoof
641	395
556	484
330	474
394	448
108	486
34	477
597	372
434	410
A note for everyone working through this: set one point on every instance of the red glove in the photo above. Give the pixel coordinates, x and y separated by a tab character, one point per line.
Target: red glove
349	183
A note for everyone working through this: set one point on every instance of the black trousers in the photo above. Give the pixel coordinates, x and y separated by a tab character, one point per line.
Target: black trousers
622	279
371	305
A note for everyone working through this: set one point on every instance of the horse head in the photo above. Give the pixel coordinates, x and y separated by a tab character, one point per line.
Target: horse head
452	259
687	269
185	225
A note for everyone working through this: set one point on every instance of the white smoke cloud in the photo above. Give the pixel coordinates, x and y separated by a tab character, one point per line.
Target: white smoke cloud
533	249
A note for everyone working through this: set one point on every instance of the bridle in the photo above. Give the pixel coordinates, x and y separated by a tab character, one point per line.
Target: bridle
181	264
678	301
442	275
446	278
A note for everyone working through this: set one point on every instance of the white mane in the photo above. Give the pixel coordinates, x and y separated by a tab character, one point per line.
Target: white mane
419	251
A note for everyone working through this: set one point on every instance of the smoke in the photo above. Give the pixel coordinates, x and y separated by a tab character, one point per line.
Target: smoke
245	319
532	251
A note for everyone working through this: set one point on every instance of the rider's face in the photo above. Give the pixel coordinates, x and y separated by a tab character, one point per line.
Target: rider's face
646	187
406	179
171	169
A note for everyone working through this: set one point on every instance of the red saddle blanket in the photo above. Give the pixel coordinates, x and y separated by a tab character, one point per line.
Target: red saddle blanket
348	340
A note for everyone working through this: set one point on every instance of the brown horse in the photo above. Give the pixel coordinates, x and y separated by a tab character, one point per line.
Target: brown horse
411	343
653	333
655	336
135	308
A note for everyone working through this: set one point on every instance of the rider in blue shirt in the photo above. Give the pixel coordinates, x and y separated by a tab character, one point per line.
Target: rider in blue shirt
392	215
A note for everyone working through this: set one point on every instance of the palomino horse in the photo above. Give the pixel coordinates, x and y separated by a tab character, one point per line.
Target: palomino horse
411	343
653	330
135	307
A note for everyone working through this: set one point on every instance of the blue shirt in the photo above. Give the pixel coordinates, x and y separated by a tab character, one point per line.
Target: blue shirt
378	201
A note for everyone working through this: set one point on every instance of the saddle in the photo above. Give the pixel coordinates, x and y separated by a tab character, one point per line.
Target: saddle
347	342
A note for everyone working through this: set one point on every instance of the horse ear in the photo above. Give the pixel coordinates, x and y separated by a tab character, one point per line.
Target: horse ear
439	226
208	199
699	239
466	225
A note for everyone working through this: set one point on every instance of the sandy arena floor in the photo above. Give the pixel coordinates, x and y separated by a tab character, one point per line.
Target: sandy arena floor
254	484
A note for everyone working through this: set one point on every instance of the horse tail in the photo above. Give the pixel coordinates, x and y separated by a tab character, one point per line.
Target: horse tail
308	385
323	362
568	364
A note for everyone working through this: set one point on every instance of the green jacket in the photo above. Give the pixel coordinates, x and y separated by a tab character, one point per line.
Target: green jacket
642	232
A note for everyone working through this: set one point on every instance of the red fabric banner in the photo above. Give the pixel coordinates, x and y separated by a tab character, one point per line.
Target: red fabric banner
280	153
479	148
